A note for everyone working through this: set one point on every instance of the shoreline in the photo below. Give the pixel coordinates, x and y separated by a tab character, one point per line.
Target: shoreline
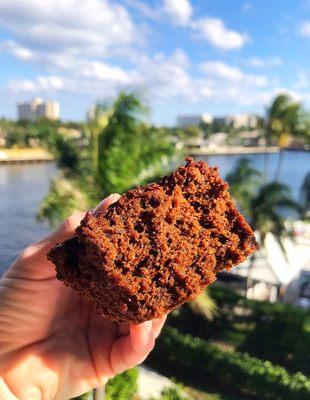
40	155
25	156
232	150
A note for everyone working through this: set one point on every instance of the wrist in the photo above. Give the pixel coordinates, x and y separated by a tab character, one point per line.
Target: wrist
5	392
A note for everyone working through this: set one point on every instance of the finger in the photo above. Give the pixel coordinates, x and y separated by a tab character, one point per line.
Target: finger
37	251
33	258
65	231
123	329
157	325
132	349
141	337
104	204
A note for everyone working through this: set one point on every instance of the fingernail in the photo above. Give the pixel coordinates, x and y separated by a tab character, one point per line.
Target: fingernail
104	204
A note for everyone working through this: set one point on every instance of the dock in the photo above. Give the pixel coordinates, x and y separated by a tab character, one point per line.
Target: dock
25	156
230	150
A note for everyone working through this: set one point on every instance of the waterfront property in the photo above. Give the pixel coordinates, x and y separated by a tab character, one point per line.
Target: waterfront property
37	108
29	155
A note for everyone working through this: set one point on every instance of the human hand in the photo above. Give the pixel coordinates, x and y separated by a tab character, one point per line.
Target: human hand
54	345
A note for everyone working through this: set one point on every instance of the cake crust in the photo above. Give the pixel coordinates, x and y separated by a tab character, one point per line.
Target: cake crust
157	247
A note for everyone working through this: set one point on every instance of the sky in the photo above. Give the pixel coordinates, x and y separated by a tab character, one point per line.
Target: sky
182	56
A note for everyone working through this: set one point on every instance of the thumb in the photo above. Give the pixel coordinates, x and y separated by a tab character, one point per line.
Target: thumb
67	229
35	254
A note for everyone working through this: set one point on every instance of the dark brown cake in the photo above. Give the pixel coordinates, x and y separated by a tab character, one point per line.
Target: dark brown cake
158	246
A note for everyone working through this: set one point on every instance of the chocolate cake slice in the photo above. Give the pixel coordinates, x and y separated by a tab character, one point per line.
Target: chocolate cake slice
157	247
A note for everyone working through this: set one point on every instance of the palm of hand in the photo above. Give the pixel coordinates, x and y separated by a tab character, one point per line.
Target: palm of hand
52	344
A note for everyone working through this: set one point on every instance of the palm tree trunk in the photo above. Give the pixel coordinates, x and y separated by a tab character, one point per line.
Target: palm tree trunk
266	165
279	166
266	158
249	280
99	393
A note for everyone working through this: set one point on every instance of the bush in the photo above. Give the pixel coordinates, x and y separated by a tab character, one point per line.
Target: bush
270	331
192	358
172	393
122	386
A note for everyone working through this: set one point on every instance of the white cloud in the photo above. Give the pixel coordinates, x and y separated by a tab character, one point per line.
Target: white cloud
222	70
40	84
18	51
227	72
164	77
180	11
304	29
89	26
215	32
144	9
303	81
264	63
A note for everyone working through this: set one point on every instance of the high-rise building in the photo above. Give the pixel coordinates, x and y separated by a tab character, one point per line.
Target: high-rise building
242	121
37	108
236	121
48	109
193	120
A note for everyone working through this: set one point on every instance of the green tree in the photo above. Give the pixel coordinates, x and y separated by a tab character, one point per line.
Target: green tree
192	132
130	153
269	209
122	152
95	126
266	206
16	137
305	195
285	120
243	182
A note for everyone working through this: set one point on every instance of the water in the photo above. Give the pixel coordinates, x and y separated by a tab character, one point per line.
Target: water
22	188
296	165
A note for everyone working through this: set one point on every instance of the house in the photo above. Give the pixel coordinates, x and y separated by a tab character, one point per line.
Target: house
273	274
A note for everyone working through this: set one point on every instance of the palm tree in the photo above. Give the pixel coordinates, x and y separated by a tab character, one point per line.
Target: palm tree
204	305
123	152
243	182
131	152
305	195
285	119
95	125
266	206
269	208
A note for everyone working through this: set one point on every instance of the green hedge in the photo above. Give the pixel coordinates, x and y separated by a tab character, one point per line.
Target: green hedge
172	393
194	358
271	331
122	386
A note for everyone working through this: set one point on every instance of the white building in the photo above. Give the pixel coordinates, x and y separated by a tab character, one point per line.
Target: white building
37	108
193	120
236	121
273	270
242	120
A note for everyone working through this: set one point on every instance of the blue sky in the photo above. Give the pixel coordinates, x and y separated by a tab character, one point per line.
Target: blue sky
184	56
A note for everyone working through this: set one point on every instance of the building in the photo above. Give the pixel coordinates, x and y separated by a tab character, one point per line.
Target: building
241	120
235	121
48	109
276	274
193	120
37	108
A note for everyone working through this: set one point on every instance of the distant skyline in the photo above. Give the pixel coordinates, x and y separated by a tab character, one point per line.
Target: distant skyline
185	57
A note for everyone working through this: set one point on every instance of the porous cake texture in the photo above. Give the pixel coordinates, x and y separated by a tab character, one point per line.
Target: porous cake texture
157	247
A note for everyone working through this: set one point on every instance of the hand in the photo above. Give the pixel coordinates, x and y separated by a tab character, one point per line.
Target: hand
53	345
